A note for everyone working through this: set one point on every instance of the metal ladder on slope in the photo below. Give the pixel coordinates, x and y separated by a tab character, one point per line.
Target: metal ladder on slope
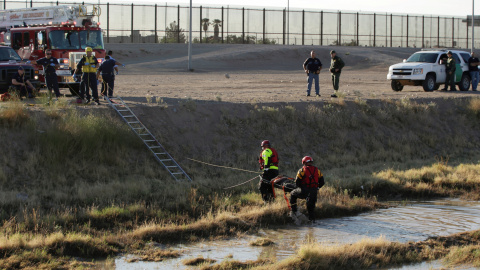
148	139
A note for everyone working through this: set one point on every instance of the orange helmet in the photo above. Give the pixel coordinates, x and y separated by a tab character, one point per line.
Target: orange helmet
306	159
266	142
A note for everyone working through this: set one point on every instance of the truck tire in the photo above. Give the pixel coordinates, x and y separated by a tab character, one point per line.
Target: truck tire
464	83
396	86
429	83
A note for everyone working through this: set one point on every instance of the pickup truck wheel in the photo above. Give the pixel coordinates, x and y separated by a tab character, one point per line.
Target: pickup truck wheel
464	83
396	86
429	83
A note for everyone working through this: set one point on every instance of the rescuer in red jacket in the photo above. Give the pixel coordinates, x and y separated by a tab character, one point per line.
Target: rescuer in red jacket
309	180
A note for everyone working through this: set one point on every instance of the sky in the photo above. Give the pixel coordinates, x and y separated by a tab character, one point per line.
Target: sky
458	8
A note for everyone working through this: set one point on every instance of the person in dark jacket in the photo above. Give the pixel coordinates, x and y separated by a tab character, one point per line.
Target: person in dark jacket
21	84
107	69
473	63
450	67
336	65
50	64
312	67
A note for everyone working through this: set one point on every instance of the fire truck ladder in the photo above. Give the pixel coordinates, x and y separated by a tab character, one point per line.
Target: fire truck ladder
148	139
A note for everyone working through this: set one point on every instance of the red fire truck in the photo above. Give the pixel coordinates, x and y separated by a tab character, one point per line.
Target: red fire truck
66	30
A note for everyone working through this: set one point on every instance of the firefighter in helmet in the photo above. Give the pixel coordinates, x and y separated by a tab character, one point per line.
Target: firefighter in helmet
269	164
88	66
309	180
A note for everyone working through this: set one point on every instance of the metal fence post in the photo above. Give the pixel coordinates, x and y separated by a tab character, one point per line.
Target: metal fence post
131	38
108	22
374	29
339	37
321	28
391	30
31	3
423	31
201	24
243	25
178	25
156	17
453	32
223	23
303	27
386	30
438	32
407	31
284	23
467	32
264	26
358	28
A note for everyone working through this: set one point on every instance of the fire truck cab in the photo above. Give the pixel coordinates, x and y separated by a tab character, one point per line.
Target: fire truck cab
66	30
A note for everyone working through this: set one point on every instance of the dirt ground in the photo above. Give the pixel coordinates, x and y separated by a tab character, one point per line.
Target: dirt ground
255	73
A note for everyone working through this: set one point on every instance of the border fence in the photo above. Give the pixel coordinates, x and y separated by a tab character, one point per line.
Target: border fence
141	23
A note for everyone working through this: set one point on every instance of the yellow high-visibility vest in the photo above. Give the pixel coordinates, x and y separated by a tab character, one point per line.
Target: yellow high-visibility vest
91	67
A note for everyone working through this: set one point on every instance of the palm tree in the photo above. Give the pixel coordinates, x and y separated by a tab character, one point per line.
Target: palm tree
205	23
216	28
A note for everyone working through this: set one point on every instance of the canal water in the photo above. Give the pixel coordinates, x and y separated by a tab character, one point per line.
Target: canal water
413	221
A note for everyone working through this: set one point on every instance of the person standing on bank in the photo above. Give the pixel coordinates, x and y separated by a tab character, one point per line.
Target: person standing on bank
50	64
336	65
88	65
450	67
312	67
269	164
108	76
308	181
473	63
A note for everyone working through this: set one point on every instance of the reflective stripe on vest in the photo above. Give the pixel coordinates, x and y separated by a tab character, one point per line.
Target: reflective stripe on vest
268	156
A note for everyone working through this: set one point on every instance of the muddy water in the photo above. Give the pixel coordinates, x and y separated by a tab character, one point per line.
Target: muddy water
410	222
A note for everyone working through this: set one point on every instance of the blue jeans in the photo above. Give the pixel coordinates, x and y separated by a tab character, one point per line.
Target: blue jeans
475	77
311	77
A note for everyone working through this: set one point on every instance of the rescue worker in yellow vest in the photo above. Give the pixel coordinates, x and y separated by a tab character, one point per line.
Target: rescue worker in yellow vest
269	164
88	65
309	180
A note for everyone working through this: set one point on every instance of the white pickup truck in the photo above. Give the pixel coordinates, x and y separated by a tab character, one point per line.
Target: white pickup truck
426	68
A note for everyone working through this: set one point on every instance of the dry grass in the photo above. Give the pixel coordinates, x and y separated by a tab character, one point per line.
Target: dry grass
437	180
474	106
456	249
73	244
234	265
262	242
113	196
155	255
14	115
198	261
